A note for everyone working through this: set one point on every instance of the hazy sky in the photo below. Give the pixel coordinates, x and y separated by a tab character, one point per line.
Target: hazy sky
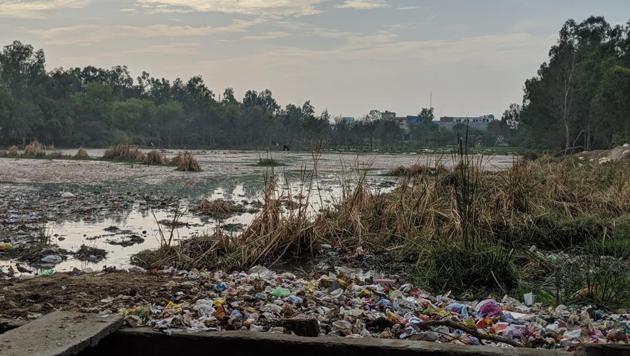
349	56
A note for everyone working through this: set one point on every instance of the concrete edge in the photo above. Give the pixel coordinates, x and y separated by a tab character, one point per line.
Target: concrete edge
93	341
324	342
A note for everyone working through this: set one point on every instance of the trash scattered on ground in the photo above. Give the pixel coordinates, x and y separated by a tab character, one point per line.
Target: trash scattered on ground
91	254
353	303
52	259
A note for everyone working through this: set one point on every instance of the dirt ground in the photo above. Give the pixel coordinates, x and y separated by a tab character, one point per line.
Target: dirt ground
91	292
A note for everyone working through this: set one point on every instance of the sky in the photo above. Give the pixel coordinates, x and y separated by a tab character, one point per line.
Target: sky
347	56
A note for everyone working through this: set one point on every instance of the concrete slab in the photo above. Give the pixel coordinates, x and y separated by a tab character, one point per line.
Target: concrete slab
8	324
144	341
58	334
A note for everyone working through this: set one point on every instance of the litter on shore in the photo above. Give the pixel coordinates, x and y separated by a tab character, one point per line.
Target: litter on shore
353	303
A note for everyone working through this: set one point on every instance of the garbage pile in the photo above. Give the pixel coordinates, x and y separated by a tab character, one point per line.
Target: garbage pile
353	303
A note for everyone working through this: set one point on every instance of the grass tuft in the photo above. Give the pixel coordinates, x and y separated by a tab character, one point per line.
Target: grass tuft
218	208
124	152
35	149
186	162
82	154
12	152
269	162
417	170
155	158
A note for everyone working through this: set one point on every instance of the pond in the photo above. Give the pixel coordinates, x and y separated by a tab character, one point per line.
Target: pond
125	208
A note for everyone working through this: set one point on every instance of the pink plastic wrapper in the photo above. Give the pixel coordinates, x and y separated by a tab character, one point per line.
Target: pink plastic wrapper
488	308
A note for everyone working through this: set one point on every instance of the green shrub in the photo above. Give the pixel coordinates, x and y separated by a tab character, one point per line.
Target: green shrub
594	279
550	232
456	266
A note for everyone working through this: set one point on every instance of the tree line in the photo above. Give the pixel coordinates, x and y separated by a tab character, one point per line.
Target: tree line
580	97
95	107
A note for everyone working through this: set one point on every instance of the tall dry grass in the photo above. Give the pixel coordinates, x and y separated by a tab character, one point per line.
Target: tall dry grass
186	162
155	158
35	149
82	154
460	227
12	152
124	152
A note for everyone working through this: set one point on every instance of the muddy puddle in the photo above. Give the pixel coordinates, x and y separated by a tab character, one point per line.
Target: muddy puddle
49	209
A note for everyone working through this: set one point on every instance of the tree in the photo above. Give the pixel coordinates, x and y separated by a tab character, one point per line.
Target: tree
563	105
426	115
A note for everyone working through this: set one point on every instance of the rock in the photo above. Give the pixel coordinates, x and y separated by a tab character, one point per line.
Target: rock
67	195
342	327
302	327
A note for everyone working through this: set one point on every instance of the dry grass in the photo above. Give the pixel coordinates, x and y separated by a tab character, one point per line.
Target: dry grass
34	149
269	162
480	217
218	208
417	170
155	158
55	155
124	152
82	154
186	162
12	152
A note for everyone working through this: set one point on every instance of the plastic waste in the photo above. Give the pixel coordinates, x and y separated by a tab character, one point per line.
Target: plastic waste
344	303
47	272
488	308
342	327
52	259
529	299
280	292
204	307
459	309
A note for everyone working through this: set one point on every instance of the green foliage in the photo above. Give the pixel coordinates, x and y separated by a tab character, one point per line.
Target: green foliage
95	107
457	266
579	99
593	279
551	231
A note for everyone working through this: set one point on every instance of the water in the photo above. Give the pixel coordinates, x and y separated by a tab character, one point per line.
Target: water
228	175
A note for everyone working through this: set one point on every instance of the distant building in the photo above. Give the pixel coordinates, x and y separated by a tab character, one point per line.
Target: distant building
476	122
388	115
413	120
406	122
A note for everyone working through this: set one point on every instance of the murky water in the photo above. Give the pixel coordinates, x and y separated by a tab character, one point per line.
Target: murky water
228	175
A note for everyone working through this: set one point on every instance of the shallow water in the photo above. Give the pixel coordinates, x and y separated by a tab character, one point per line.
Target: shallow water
228	175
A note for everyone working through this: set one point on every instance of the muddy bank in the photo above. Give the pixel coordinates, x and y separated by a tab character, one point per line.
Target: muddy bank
213	163
87	292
